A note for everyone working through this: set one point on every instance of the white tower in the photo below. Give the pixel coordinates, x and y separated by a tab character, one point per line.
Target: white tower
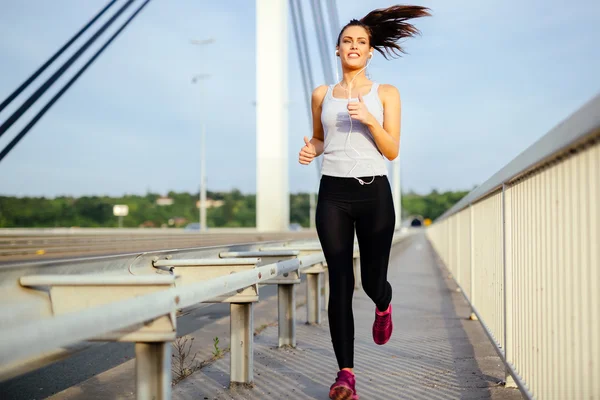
272	190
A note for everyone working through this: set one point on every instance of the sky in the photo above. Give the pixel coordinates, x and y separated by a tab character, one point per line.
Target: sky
483	82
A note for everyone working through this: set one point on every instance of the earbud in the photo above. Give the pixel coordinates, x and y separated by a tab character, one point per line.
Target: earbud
371	54
337	53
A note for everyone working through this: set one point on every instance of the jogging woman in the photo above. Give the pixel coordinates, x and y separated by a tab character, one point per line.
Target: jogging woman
356	126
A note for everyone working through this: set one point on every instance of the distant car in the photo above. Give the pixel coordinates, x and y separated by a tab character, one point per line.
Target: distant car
295	227
194	226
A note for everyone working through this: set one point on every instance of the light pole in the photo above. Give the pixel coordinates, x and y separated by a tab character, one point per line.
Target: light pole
195	79
202	227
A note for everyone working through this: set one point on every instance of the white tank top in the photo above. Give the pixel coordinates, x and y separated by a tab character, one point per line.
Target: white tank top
339	158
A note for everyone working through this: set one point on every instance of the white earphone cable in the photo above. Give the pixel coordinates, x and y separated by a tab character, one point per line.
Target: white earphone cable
351	124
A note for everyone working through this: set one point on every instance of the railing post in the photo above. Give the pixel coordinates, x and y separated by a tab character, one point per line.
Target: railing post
448	244
473	316
74	293
313	298
508	295
357	276
451	236
242	343
457	249
286	308
313	293
153	371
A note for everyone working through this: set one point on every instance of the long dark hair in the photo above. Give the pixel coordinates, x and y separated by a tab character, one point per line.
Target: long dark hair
386	26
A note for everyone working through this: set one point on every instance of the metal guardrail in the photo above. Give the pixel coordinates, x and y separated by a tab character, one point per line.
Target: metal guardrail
130	298
524	248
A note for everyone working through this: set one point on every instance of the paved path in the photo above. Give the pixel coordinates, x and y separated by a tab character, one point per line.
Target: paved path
435	353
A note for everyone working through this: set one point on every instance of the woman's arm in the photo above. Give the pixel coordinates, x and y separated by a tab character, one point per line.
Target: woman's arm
317	106
387	137
314	147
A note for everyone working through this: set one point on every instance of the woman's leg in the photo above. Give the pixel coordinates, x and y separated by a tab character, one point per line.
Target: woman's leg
335	228
374	231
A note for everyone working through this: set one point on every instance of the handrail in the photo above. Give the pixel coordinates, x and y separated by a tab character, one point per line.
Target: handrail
581	125
523	250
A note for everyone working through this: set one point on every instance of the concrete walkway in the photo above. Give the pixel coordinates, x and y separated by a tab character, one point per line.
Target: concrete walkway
436	352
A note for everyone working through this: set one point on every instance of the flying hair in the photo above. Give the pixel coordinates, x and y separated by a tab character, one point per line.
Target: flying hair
386	26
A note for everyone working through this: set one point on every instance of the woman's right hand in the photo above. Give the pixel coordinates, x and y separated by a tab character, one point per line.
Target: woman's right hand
307	153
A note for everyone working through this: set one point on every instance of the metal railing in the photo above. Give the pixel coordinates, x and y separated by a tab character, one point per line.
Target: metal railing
134	298
524	248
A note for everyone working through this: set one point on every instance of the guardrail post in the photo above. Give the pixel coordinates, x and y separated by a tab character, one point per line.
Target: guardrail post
241	303
242	343
153	370
286	310
313	298
242	319
286	307
357	278
287	323
73	293
313	293
286	297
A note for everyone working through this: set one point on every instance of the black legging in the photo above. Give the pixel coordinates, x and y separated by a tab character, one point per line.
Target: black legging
343	204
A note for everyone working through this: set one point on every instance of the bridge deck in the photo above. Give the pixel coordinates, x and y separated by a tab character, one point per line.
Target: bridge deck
435	352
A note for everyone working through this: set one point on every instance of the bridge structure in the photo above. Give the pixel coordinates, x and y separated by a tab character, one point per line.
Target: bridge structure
496	299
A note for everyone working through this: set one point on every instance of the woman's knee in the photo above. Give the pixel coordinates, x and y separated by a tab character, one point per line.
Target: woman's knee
371	290
378	292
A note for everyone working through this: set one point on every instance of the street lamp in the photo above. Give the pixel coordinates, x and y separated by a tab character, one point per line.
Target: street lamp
196	79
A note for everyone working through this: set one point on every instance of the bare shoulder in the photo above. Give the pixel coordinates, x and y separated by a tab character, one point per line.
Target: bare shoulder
388	90
388	94
319	94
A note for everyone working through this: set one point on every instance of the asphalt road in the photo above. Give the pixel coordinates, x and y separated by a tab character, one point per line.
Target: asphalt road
49	247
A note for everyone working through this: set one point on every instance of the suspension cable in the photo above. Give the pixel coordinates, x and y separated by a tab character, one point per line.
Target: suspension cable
42	89
41	113
41	69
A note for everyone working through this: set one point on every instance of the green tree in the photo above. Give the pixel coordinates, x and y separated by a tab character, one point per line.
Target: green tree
238	209
431	205
300	209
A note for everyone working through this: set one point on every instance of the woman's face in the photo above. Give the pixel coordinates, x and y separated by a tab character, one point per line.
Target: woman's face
354	47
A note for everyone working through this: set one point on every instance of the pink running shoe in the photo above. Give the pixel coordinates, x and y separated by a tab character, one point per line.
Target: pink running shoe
343	388
383	326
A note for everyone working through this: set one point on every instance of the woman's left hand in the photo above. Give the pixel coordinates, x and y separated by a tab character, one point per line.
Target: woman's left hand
358	111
